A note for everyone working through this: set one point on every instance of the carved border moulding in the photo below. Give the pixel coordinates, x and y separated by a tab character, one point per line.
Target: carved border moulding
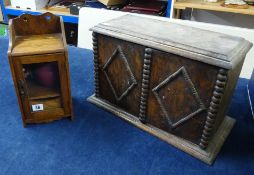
213	108
165	82
96	64
145	85
127	66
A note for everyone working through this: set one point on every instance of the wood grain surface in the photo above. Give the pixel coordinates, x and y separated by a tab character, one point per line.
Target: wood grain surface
36	41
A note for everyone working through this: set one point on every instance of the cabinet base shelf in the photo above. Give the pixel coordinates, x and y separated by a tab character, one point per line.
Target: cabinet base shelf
208	156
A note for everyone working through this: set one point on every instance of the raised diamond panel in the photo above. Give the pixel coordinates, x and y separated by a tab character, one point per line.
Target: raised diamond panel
119	74
178	98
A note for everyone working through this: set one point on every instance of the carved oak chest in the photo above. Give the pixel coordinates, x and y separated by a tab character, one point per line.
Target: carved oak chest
170	80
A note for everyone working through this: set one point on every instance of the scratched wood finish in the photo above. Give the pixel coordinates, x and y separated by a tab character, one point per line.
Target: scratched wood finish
177	95
35	41
118	74
180	100
167	81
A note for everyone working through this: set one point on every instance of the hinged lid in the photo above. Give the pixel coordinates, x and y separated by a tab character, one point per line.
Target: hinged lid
202	45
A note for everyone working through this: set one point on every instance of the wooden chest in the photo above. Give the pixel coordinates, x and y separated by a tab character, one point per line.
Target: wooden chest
172	81
39	63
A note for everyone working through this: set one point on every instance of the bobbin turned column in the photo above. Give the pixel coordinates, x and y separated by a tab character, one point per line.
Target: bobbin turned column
145	85
96	64
213	108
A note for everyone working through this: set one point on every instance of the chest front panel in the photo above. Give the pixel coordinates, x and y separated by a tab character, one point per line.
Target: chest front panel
120	72
179	89
180	94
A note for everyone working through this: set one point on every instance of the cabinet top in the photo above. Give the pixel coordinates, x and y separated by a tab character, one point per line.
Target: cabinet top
214	48
36	34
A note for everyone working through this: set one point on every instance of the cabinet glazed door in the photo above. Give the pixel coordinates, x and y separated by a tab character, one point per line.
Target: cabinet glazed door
120	72
43	80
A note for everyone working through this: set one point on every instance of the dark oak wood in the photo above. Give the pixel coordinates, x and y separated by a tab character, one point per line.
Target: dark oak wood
120	81
184	98
172	83
38	59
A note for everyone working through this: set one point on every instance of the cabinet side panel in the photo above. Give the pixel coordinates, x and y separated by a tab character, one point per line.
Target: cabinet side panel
120	72
181	91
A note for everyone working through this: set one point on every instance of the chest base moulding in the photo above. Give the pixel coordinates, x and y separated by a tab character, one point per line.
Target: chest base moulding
208	156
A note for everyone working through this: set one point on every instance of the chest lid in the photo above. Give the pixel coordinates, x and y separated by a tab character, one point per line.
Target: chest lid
214	48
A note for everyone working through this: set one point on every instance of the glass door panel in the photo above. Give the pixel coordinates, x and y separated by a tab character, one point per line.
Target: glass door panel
43	85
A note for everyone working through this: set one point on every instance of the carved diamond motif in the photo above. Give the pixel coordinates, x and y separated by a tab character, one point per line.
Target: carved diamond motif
178	98
119	75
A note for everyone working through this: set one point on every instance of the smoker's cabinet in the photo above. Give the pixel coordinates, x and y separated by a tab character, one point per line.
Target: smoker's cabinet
39	64
172	81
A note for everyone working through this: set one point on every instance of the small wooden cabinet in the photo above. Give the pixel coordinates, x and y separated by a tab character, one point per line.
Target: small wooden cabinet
170	80
39	64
